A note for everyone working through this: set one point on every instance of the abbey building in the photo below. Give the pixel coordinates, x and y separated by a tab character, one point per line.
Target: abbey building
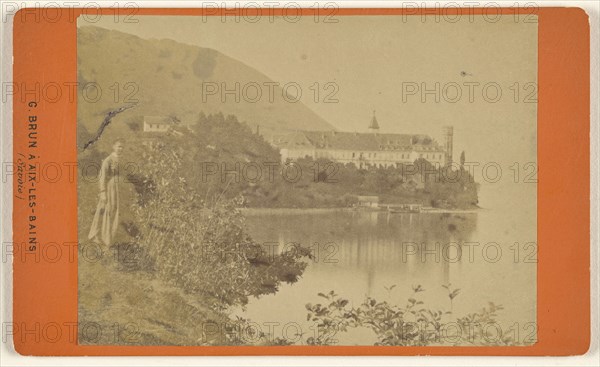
366	149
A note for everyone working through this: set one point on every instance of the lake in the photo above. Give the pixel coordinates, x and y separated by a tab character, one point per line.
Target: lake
490	255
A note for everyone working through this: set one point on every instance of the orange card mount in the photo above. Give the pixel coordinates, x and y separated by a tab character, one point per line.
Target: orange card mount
50	237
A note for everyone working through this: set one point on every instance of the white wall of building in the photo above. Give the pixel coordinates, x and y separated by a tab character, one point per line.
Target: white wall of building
361	158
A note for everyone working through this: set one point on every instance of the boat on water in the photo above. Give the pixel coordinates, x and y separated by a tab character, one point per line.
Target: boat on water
403	208
392	208
371	203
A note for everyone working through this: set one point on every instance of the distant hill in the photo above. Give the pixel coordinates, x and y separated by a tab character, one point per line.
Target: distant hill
166	77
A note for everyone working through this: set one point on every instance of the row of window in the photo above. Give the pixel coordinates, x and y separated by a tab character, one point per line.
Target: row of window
156	126
433	156
390	156
367	155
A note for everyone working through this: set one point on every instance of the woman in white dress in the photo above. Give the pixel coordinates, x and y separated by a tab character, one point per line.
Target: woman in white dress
106	219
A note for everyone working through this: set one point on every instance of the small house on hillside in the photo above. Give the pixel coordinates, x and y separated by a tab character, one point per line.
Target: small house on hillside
158	124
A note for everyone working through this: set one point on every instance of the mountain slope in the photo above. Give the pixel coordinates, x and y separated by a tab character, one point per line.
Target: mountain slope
166	78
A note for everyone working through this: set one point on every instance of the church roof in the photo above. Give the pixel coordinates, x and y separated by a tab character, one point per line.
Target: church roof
337	140
162	120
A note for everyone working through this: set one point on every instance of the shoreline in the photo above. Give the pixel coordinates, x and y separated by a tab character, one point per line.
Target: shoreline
451	211
258	211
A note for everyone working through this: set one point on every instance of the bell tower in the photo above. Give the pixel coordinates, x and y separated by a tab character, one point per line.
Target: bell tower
374	125
448	132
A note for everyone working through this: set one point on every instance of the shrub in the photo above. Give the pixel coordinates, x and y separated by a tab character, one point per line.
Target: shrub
202	249
409	325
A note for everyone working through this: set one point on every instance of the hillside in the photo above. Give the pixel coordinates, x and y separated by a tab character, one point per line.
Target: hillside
166	77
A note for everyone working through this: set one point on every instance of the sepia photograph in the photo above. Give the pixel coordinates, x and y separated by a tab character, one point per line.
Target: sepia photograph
320	180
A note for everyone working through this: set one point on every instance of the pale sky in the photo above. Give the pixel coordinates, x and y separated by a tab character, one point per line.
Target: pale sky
372	58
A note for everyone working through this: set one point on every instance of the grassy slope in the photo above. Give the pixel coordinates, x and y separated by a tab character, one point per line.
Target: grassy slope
132	307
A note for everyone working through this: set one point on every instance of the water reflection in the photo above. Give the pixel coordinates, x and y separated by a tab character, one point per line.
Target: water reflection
374	250
370	242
